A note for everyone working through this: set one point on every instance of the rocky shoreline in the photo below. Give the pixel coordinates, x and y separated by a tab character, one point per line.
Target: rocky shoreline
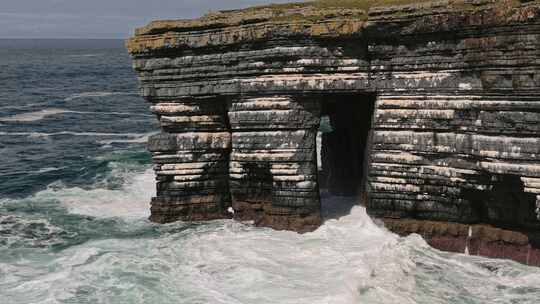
435	110
481	240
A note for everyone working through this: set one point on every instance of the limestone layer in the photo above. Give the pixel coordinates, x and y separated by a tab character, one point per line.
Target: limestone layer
455	131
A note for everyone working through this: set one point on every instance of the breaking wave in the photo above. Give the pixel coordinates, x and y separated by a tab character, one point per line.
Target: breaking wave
131	200
75	227
347	260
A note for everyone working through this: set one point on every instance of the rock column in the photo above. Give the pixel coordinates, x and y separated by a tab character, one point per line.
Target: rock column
191	158
273	168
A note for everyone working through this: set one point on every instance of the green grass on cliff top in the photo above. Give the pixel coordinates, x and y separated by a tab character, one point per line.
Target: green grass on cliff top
358	4
363	4
361	8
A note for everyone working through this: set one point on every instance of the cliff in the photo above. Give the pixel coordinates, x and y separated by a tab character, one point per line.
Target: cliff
434	107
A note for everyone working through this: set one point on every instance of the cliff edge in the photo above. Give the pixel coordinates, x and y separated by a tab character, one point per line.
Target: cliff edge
434	109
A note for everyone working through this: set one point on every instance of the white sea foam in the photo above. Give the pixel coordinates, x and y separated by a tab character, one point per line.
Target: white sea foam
16	231
85	55
19	106
347	260
97	94
140	139
130	201
49	169
350	260
96	134
39	115
113	113
34	116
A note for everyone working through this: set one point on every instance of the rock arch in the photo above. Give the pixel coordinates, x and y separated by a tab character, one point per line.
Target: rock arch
238	95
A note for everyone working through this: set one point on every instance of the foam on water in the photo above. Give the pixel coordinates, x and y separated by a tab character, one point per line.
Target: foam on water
97	94
16	231
141	139
113	113
39	115
18	106
87	239
85	55
137	136
130	200
33	116
347	260
48	169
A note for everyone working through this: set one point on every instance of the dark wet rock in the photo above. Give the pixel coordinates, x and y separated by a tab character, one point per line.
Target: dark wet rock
483	240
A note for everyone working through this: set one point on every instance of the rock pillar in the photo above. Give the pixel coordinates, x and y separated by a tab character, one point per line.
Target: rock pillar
191	158
273	168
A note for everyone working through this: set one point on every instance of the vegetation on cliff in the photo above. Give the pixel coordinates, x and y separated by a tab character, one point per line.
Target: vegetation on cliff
317	11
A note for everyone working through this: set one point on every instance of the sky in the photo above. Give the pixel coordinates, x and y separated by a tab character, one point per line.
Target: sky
100	18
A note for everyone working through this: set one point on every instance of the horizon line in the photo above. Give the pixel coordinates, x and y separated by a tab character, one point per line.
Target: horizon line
61	38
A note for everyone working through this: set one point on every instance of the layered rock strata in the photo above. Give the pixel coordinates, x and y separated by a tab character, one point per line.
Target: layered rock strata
273	172
454	136
191	159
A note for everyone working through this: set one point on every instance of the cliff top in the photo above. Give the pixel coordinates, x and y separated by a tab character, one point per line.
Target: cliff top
328	19
315	11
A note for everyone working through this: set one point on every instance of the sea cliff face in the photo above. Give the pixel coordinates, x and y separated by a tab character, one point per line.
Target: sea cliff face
435	106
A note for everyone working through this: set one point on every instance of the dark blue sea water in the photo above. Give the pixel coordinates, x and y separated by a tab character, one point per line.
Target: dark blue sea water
76	180
66	107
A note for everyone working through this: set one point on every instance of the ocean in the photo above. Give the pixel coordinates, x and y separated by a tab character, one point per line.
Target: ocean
75	186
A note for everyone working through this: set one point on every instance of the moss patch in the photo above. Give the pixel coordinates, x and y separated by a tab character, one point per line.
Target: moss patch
350	4
313	12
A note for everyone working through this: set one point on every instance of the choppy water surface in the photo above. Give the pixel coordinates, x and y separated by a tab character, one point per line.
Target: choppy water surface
75	182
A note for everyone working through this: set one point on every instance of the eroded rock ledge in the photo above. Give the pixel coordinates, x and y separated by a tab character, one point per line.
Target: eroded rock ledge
442	130
483	240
